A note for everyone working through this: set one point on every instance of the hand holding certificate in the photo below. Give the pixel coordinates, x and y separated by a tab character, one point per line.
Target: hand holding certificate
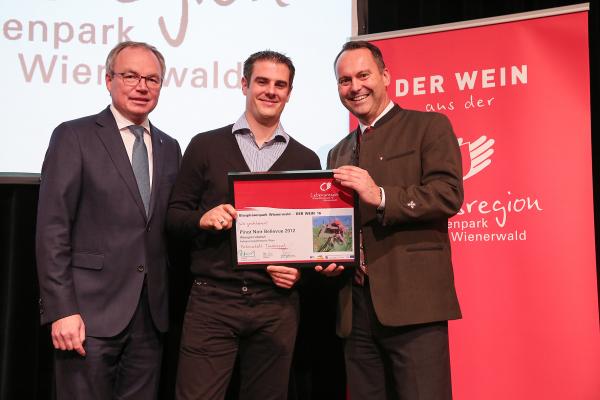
300	218
218	218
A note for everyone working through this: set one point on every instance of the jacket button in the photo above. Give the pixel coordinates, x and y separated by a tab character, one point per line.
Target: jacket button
140	268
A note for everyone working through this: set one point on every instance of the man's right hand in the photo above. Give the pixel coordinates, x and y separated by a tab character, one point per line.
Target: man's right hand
218	218
68	333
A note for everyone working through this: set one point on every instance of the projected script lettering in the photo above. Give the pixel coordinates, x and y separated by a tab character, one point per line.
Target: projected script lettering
183	22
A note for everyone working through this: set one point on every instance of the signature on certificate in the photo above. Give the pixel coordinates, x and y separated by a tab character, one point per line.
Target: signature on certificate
246	253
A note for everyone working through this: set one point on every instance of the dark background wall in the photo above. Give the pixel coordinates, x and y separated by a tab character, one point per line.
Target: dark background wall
390	15
25	347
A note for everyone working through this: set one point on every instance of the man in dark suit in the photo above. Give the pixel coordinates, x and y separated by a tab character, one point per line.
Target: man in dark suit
100	242
406	168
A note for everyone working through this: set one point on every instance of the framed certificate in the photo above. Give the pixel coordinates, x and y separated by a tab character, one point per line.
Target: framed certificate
296	218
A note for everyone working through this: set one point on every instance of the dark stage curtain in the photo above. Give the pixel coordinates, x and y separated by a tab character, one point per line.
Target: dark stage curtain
25	347
385	15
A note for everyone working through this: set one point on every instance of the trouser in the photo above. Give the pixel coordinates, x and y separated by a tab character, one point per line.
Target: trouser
404	363
220	325
126	366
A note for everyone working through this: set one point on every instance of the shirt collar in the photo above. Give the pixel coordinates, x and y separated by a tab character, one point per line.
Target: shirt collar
385	111
241	126
123	122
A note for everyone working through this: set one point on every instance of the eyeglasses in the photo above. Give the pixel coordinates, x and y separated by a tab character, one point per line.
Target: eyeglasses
133	79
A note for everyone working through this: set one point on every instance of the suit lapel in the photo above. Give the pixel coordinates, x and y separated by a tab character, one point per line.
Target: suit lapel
157	162
110	136
349	152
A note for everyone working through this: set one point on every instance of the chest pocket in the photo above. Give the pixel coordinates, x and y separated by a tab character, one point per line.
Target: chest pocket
394	167
394	156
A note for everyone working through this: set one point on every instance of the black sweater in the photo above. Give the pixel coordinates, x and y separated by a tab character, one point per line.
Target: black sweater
202	185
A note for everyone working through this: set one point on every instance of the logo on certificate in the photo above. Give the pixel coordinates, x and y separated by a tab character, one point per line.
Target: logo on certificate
325	186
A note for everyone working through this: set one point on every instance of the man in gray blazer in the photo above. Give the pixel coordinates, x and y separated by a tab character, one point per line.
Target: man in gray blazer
100	241
406	168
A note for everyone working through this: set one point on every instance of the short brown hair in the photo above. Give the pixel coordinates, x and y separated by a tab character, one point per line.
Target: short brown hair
361	44
268	55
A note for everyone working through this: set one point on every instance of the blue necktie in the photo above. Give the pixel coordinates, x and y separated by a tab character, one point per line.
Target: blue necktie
139	162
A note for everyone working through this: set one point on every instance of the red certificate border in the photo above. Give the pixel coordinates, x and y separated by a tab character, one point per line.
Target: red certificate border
275	200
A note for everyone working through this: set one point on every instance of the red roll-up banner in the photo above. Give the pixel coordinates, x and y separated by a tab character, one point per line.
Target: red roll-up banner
517	93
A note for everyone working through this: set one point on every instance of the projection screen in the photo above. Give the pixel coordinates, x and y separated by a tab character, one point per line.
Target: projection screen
53	54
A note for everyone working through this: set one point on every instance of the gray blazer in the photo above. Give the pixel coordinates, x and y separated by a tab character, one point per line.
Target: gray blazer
94	242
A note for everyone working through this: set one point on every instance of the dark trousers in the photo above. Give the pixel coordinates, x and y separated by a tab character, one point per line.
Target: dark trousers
126	366
220	325
403	363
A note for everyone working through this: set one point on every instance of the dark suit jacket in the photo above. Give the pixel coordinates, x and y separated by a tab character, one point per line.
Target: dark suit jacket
94	243
415	157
